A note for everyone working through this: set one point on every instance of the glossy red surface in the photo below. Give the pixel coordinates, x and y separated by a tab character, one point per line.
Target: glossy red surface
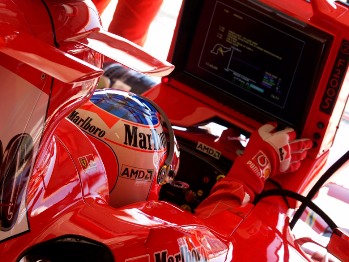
126	53
60	187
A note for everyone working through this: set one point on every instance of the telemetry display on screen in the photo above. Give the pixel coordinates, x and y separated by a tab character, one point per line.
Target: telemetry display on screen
250	54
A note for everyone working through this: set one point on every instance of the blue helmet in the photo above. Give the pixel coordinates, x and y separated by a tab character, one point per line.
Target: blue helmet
138	137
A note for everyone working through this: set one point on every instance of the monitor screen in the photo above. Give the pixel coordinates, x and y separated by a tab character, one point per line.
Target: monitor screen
252	58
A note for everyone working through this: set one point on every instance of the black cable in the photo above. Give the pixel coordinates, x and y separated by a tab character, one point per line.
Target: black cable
305	201
329	172
278	185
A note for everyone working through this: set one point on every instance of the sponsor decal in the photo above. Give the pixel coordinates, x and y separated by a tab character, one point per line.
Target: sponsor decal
195	248
336	79
284	153
195	254
86	124
260	165
87	162
14	173
152	140
20	133
135	173
208	150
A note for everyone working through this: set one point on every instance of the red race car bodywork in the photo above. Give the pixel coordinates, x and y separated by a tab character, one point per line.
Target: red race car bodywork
54	183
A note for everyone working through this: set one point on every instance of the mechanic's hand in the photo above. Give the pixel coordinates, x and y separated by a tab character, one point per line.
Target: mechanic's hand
267	154
281	148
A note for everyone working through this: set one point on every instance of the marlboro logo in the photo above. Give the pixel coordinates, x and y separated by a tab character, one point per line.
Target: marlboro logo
152	140
86	124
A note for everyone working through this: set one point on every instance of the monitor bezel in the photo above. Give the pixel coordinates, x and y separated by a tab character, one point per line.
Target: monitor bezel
295	112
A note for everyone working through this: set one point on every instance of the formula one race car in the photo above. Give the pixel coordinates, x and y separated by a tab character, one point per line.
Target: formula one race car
71	191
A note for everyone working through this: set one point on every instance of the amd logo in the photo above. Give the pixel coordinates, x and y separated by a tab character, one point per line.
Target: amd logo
136	173
208	150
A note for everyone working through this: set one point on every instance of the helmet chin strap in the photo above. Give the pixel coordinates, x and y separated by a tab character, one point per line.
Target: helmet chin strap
165	171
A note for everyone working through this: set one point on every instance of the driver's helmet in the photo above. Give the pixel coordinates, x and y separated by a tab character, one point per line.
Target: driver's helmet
135	141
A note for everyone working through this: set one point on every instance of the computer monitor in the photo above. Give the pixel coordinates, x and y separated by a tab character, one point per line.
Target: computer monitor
251	57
